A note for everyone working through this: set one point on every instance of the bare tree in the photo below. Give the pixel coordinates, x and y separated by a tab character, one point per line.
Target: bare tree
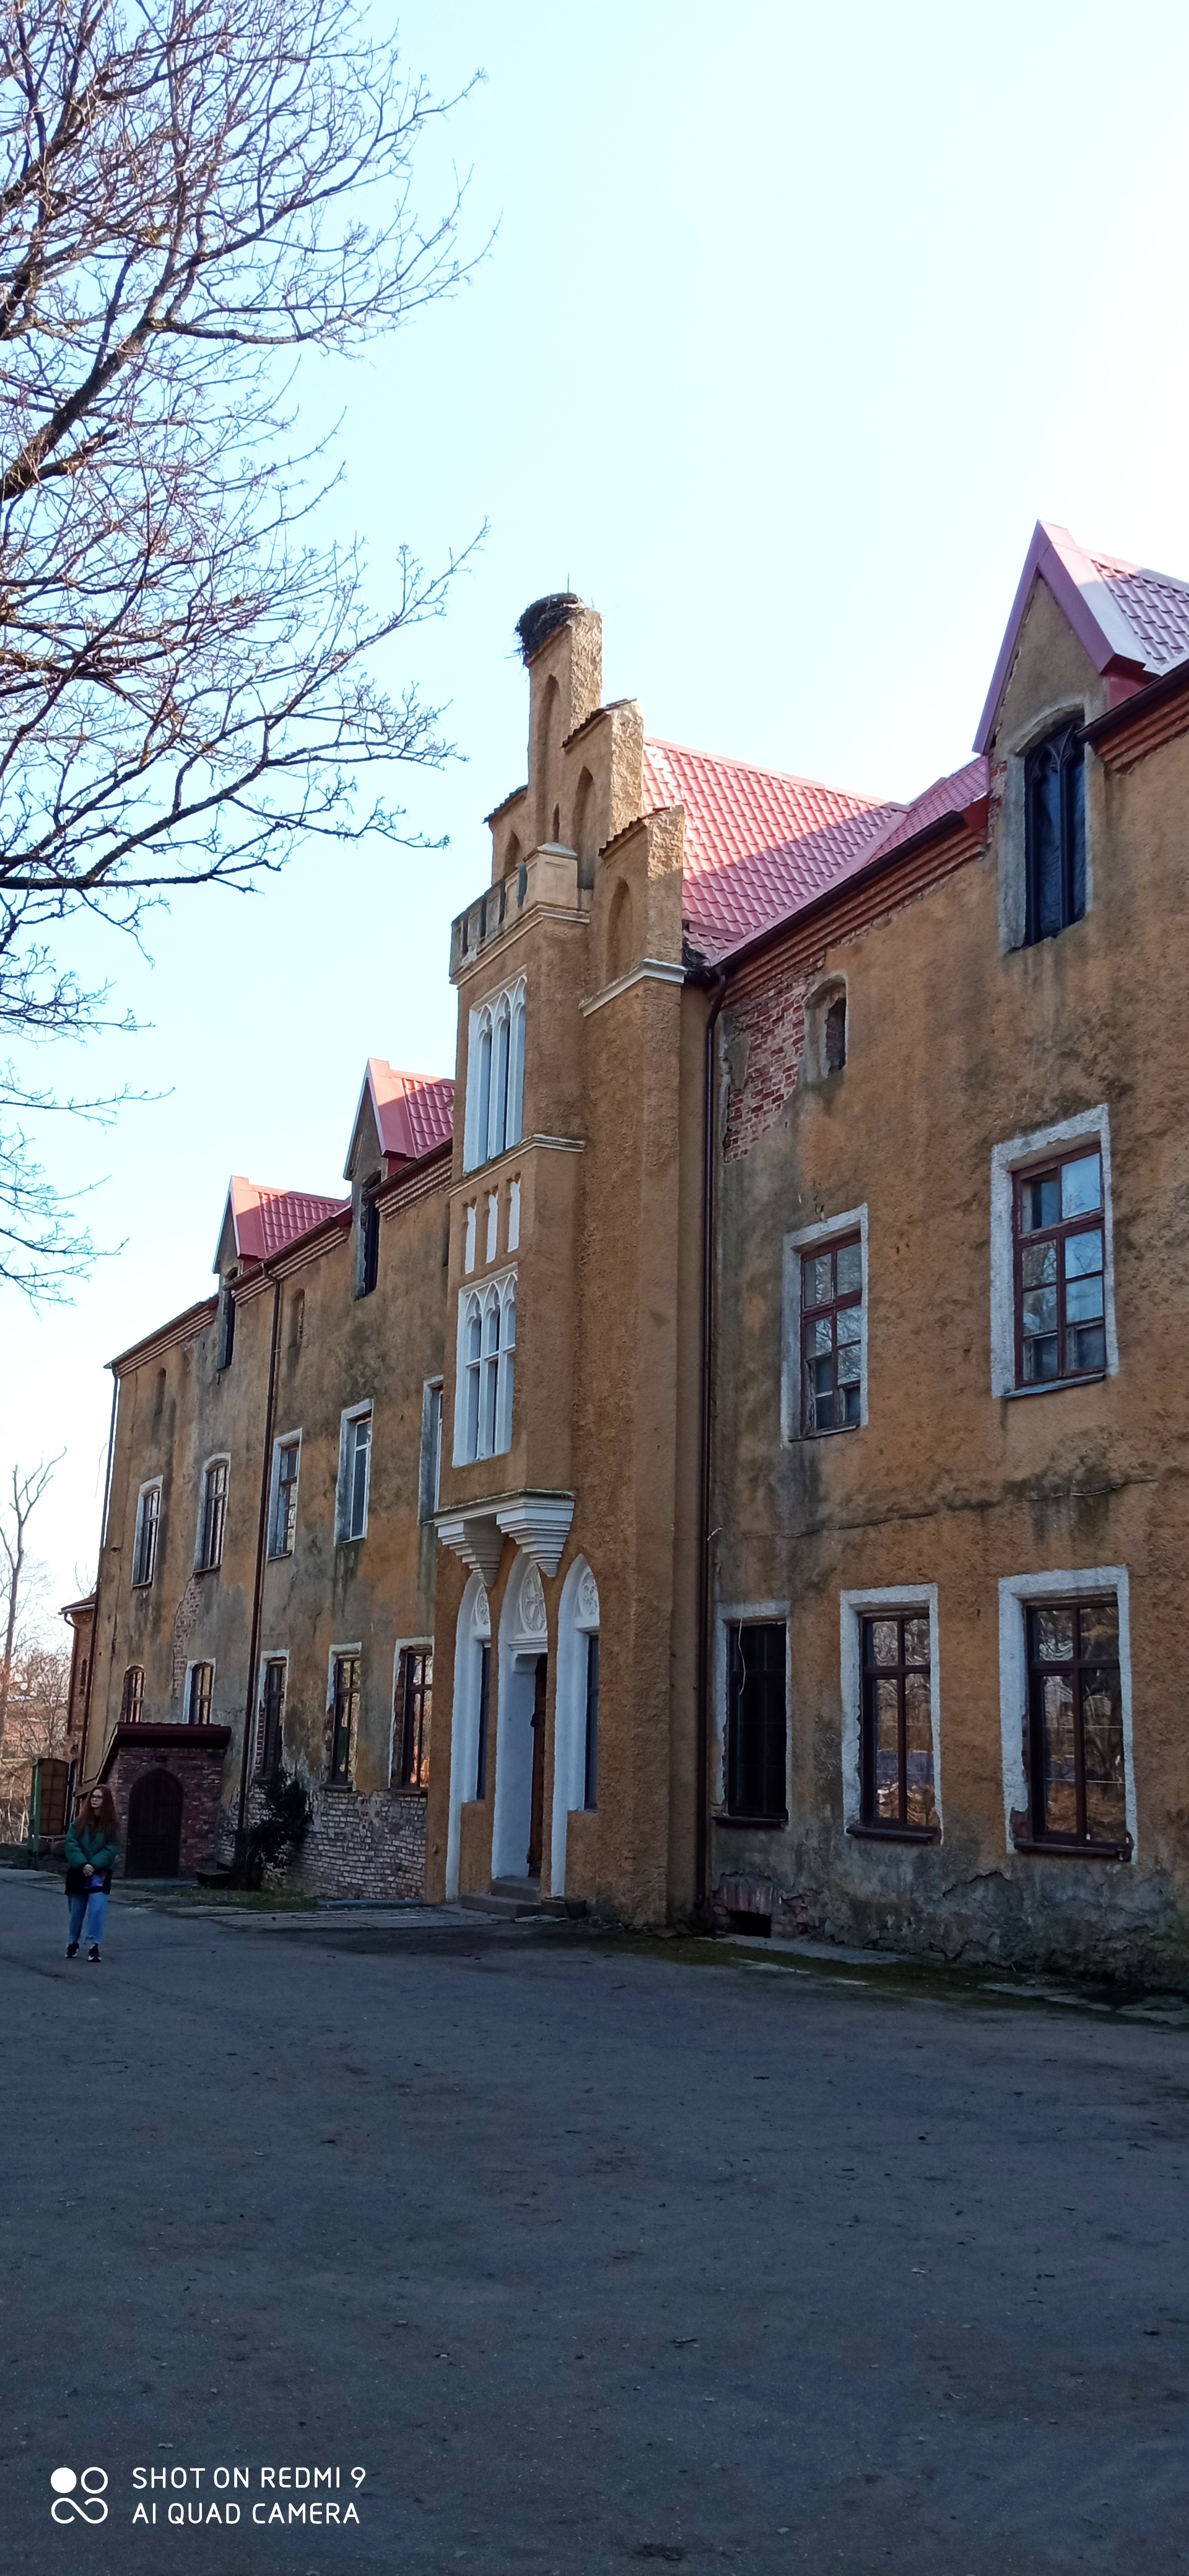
38	1729
27	1491
192	193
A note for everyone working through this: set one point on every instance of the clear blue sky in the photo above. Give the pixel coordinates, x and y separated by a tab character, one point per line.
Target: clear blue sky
796	321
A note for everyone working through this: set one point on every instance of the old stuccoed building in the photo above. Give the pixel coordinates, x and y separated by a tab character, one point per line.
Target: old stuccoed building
726	1454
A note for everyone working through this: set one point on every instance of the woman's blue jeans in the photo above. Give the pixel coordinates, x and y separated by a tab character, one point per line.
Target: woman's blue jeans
94	1907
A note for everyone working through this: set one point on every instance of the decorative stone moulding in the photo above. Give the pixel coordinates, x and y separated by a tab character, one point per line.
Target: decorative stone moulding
539	1524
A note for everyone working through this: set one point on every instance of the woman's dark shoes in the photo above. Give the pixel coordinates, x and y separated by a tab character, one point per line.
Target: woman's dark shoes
93	1953
72	1949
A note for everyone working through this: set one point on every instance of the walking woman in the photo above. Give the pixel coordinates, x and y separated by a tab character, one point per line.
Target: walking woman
92	1849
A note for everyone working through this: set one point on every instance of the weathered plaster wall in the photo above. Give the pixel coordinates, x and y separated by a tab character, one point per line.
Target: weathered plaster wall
953	1047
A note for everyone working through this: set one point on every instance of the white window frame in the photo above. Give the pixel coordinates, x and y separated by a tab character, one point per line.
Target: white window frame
194	1666
143	1583
429	1480
221	1458
495	1100
284	1440
1016	1591
810	1238
344	1536
497	1296
748	1614
854	1607
1091	1126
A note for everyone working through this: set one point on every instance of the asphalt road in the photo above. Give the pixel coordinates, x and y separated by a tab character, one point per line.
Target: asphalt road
591	2258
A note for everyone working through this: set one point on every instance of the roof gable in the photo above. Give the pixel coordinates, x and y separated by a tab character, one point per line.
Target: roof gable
1132	623
409	1115
259	1221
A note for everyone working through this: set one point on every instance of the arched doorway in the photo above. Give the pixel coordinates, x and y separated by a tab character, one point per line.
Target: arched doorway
154	1826
576	1744
518	1828
468	1723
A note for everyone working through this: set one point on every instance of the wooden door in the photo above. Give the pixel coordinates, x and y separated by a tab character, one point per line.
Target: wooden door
154	1826
537	1824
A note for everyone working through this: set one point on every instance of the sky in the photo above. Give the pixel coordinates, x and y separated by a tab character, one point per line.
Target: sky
795	320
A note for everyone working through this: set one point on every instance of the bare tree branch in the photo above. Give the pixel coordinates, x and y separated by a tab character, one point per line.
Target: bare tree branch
192	192
27	1491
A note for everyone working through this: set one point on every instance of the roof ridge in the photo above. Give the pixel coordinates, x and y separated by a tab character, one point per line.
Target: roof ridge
764	769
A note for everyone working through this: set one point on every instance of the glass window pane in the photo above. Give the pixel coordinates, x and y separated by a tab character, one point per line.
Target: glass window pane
1040	1310
1040	1201
850	1269
819	1280
823	1377
1038	1264
1099	1625
820	1336
887	1751
1102	1735
1081	1185
1083	1253
1087	1347
1083	1300
848	1364
1052	1635
1060	1764
883	1641
921	1805
850	1323
916	1641
1040	1359
848	1397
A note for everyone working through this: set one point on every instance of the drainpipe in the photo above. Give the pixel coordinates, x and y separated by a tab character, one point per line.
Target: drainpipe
111	1444
261	1535
705	1606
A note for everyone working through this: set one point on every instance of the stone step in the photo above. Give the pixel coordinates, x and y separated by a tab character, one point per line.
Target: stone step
504	1909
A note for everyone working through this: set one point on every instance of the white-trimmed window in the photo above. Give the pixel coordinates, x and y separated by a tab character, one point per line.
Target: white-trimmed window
355	1470
891	1714
282	1516
1065	1712
495	1076
148	1518
1052	1257
824	1372
212	1514
430	1480
486	1375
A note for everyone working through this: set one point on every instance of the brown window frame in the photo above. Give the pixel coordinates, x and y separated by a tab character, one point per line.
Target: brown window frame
414	1718
1039	1836
1059	1232
851	1301
132	1696
900	1827
200	1692
344	1720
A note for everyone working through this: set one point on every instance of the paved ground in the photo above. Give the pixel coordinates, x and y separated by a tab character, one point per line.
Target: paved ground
592	2258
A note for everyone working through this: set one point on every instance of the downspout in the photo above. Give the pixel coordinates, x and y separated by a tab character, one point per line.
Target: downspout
709	1204
111	1451
261	1534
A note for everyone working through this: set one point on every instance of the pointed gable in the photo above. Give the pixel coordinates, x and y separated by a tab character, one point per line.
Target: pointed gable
1133	624
403	1116
259	1221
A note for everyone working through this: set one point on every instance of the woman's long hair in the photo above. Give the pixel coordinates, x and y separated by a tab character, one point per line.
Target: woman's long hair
106	1817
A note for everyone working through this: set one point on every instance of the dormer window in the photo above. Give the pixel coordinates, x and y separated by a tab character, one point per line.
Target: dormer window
367	1246
1055	833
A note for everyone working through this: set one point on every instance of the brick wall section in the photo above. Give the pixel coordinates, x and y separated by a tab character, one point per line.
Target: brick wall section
198	1765
765	1043
356	1846
359	1846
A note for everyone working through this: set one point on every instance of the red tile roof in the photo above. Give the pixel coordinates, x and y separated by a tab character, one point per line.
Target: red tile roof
946	796
758	843
414	1111
267	1221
